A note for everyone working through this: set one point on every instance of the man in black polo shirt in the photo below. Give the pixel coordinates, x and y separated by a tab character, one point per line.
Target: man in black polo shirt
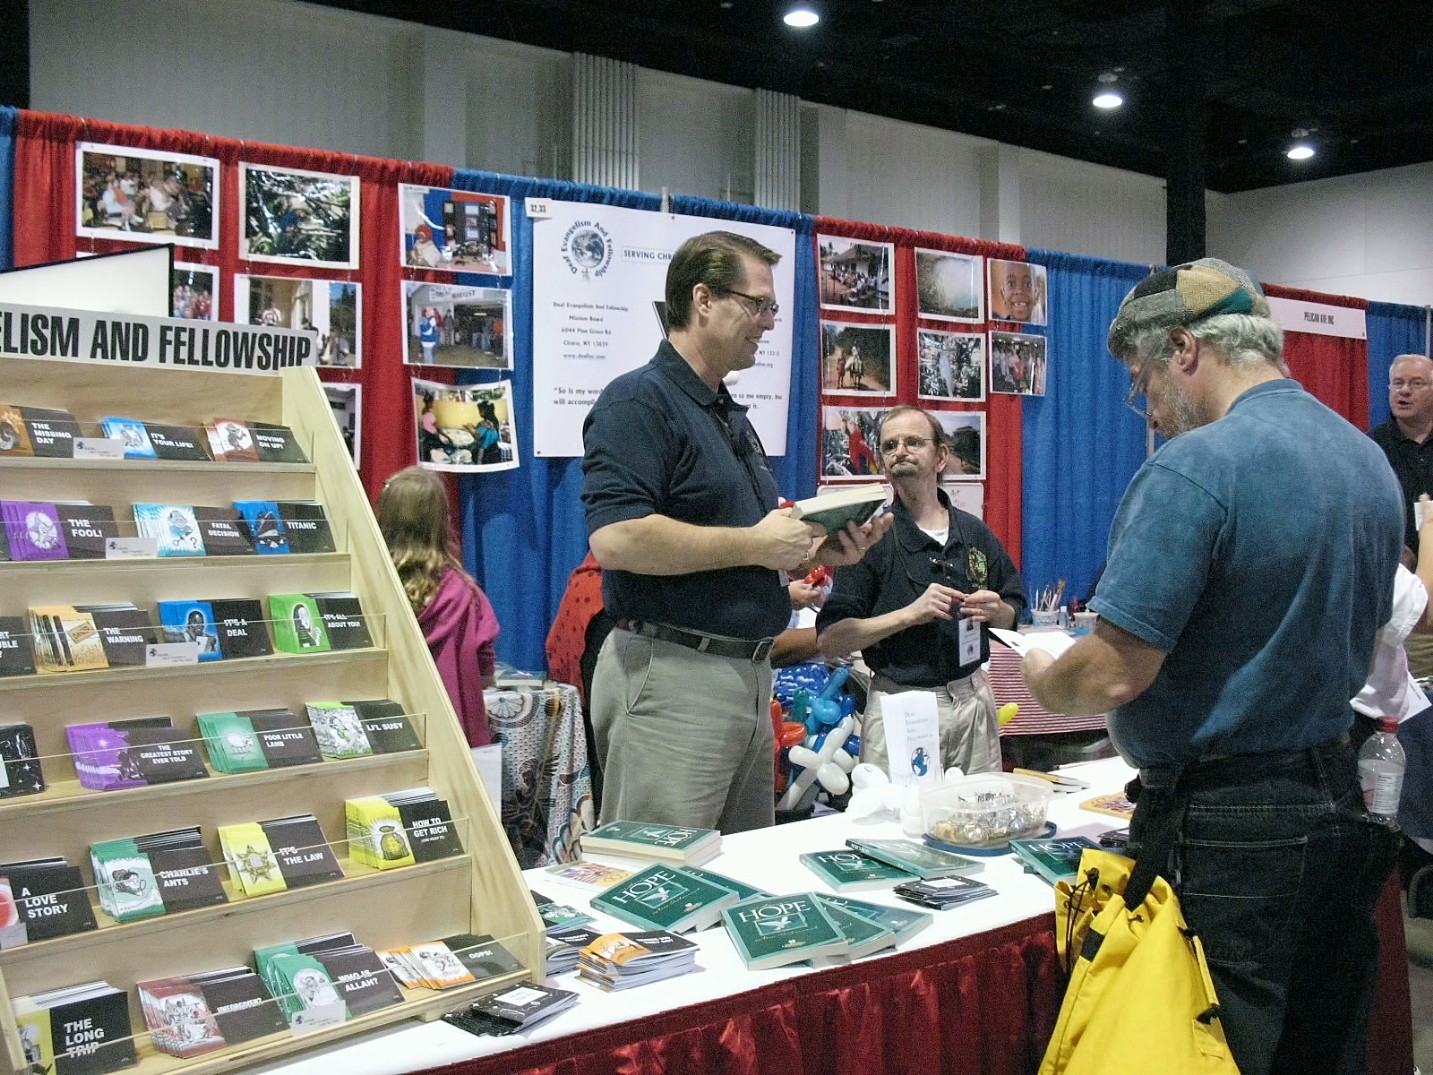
682	515
917	607
1407	440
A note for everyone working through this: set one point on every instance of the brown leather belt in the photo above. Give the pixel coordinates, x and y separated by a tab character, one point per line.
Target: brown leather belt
738	649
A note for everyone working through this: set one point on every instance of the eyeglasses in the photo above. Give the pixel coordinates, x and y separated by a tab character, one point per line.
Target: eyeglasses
759	305
1134	397
1417	384
891	445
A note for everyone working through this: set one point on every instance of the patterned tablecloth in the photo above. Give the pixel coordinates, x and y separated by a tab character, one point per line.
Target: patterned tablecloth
547	785
1033	718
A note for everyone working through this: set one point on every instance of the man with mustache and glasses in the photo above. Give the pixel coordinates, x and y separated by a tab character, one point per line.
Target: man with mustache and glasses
917	606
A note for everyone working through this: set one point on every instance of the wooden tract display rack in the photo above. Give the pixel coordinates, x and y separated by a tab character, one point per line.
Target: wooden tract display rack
481	892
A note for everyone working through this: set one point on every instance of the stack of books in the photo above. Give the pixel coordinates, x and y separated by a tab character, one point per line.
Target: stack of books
19	762
510	1010
564	947
79	1030
328	979
40	899
773	931
188	1015
142	876
616	961
271	856
943	893
1053	860
450	961
915	858
902	923
155	440
666	898
400	828
47	432
658	843
133	753
848	870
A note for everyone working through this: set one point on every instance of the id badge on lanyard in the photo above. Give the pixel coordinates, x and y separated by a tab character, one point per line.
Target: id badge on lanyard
967	641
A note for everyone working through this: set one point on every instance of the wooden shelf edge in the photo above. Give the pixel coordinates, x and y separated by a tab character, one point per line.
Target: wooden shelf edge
237	666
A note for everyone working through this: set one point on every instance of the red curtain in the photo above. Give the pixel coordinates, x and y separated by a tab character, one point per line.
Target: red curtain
45	231
1002	413
981	1005
1333	368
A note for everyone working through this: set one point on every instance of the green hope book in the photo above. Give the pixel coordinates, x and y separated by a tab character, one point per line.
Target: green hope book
664	843
777	930
916	858
846	870
666	897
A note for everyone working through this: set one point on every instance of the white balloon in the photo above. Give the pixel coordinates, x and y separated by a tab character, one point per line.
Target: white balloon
844	760
867	775
833	778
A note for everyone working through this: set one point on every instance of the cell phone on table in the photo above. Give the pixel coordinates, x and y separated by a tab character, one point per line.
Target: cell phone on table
1118	839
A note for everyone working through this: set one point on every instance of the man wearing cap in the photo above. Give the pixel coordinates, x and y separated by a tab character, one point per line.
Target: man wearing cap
1250	568
917	607
682	515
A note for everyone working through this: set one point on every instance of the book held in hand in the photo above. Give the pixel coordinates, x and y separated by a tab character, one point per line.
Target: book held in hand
833	510
662	843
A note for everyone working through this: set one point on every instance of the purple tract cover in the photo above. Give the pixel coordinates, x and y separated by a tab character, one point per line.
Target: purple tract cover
33	530
101	758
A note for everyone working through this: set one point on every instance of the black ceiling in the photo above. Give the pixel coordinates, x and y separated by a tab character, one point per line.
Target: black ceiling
1357	76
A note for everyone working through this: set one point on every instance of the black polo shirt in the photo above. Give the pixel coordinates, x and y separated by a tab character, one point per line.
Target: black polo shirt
1413	463
661	441
897	570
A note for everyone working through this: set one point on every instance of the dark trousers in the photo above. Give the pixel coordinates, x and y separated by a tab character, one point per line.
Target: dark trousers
1278	869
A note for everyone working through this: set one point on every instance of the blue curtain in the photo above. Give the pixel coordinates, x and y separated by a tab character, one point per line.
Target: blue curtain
8	119
1392	331
523	530
1081	445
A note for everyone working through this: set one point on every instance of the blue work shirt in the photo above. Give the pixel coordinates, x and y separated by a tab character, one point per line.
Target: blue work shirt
661	441
1258	552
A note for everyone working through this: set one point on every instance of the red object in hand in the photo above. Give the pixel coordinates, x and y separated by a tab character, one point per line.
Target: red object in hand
820	575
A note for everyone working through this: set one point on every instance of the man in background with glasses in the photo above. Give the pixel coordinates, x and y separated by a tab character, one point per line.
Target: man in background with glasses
682	515
918	605
1250	568
1407	436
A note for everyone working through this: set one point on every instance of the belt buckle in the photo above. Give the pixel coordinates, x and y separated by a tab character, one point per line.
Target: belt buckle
762	650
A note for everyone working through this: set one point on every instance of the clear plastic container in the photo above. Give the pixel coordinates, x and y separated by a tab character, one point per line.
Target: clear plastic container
985	810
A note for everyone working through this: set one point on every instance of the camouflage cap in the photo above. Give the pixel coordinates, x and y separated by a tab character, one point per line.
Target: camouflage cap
1182	295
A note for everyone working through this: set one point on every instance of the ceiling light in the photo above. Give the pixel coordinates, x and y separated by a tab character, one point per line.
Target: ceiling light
801	16
1108	97
1300	152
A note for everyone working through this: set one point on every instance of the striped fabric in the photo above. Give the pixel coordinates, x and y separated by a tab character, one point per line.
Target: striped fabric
1033	718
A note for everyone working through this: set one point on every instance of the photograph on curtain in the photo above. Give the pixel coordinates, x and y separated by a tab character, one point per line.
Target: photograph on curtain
858	358
346	402
967	496
332	309
292	215
855	275
1018	292
965	437
453	230
144	196
950	287
449	325
1017	363
192	288
848	443
951	365
465	428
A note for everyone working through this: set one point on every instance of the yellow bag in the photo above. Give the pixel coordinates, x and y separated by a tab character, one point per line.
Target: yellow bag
1140	998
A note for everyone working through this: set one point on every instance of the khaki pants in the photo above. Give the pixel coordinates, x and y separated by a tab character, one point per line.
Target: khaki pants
969	728
685	738
1420	655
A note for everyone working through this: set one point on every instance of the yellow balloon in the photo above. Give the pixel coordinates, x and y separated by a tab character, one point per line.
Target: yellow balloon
1006	713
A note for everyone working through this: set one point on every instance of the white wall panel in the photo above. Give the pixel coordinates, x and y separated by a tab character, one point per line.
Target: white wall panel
266	70
910	176
1368	235
1089	209
519	110
698	137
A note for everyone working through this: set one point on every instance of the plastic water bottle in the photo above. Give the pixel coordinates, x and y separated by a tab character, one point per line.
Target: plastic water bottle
1381	762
